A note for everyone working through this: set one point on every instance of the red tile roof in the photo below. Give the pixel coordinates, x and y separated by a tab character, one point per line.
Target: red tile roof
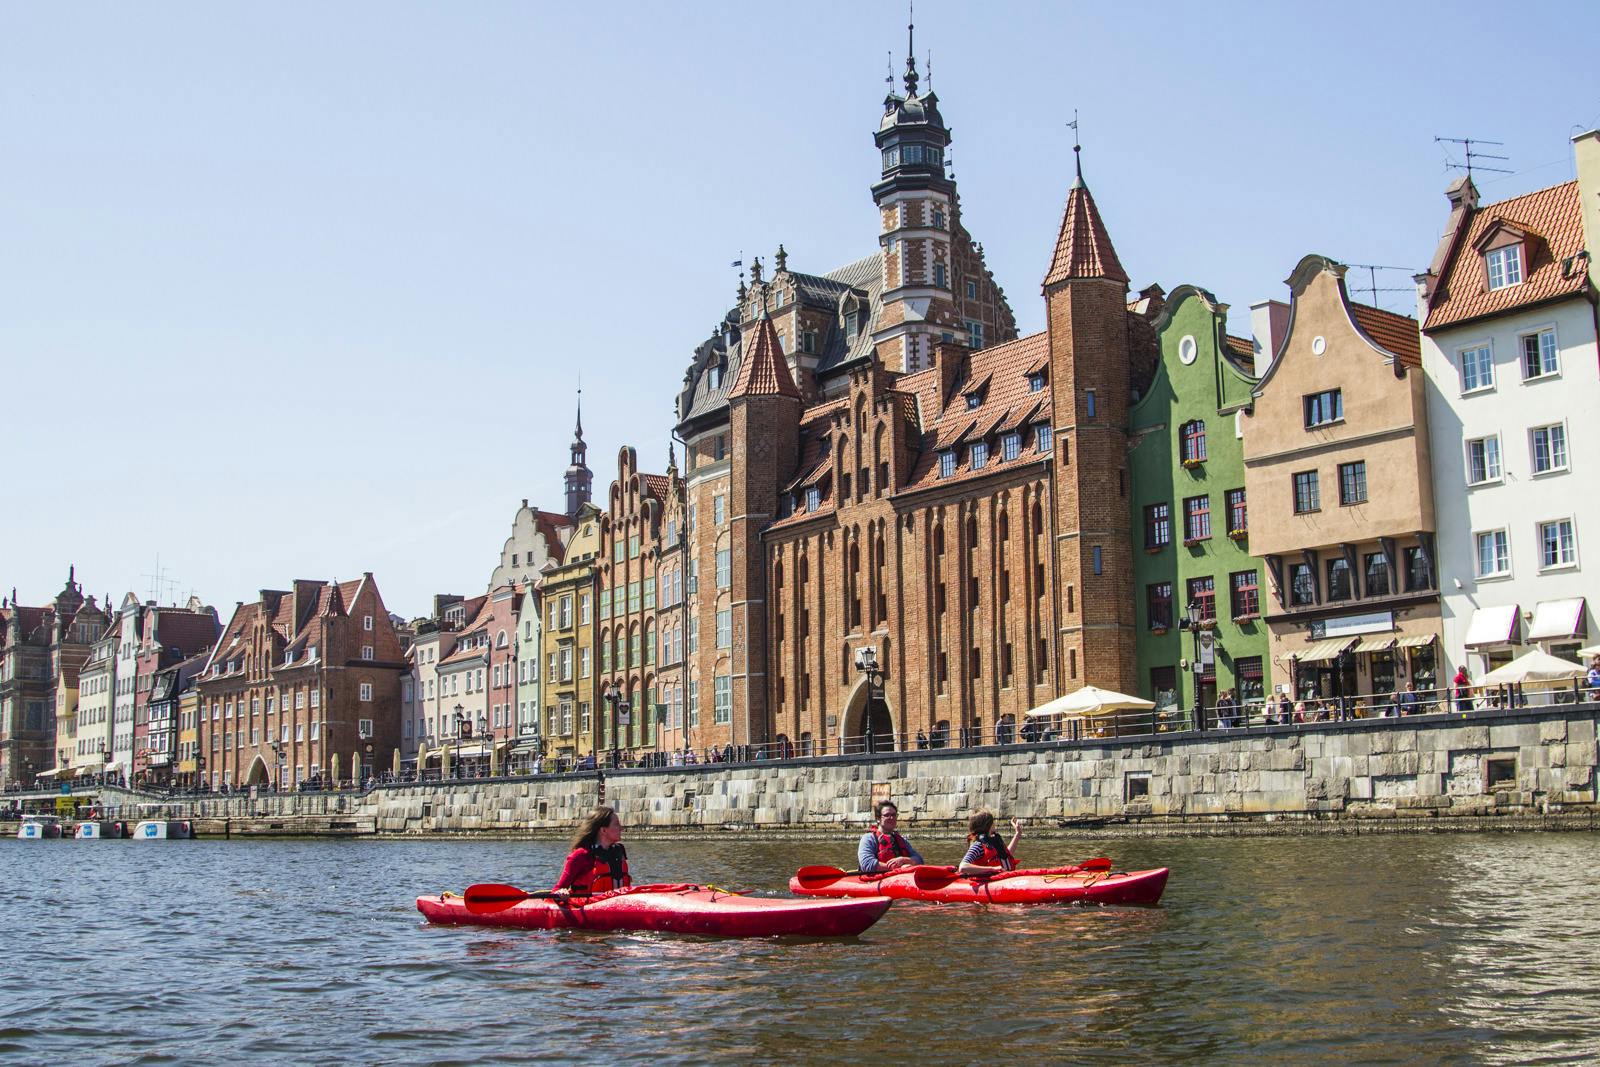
1007	402
764	371
1396	333
1243	347
1554	224
1083	248
655	484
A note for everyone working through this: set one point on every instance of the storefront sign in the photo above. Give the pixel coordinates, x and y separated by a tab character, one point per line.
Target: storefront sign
1374	622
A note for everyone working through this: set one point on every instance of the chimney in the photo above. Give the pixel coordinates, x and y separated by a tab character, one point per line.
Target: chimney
947	359
1269	321
1586	153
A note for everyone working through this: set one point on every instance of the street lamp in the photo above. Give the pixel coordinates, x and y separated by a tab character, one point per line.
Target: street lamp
1193	622
199	770
103	755
867	663
460	718
277	758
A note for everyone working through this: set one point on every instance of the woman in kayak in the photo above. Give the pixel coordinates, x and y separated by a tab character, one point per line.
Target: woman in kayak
986	853
597	863
882	848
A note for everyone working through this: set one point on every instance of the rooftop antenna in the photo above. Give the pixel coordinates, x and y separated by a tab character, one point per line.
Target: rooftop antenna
1467	143
1372	286
889	67
930	70
160	581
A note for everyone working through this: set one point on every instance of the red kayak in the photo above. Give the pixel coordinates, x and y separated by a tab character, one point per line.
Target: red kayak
678	909
1089	884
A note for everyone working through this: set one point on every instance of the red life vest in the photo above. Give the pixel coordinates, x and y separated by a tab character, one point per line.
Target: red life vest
890	845
610	870
995	853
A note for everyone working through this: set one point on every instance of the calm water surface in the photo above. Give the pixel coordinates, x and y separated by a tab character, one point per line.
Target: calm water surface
1460	949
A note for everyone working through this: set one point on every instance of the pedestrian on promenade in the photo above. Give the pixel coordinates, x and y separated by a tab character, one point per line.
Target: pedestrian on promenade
1592	679
882	848
597	863
986	852
1463	686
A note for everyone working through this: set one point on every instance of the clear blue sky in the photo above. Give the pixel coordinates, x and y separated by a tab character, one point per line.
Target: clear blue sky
305	289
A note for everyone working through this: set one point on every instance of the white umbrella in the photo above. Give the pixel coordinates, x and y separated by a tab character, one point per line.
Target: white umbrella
1533	666
1592	650
1092	700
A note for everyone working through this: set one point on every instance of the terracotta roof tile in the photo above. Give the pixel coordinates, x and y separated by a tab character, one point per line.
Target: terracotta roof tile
1552	219
1396	333
655	484
764	371
1243	347
1083	248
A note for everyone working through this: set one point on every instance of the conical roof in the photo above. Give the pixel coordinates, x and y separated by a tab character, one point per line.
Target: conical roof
763	371
1083	249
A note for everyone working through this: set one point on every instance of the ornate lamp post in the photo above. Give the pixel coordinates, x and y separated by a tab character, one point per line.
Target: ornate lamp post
867	663
199	770
485	738
460	719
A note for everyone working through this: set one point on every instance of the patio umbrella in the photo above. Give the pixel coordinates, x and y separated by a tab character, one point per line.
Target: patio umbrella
1592	650
1534	666
1091	701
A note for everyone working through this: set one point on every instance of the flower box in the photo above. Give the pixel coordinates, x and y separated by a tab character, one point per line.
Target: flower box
1191	464
1190	542
1153	549
1238	535
1158	631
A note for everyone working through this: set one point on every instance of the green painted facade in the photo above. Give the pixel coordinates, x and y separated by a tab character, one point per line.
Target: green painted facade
1196	381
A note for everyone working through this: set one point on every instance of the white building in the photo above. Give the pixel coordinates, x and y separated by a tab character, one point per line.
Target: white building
1509	348
124	688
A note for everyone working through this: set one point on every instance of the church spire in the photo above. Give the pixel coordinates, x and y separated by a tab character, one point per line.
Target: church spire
579	478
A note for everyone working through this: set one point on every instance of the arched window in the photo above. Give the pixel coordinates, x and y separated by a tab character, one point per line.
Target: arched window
500	640
1192	441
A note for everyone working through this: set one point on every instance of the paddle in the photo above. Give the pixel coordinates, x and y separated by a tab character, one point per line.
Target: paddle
818	876
935	878
495	895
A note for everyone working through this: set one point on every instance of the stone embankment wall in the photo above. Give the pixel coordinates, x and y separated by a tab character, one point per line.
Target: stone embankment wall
1517	765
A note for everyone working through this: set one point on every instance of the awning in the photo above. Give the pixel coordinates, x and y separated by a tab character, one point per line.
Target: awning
1323	651
1557	618
53	771
1493	626
1416	640
1374	643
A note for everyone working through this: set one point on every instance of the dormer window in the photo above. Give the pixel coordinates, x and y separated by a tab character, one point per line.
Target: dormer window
1504	266
813	498
714	375
974	401
1036	382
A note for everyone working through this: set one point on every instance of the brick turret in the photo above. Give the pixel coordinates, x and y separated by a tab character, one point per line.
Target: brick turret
1086	299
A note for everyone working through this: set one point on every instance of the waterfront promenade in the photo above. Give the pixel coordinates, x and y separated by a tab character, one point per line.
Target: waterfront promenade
1508	768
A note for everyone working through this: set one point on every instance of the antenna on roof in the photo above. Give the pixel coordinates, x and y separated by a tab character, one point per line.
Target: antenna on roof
930	70
1467	143
1372	287
160	581
889	66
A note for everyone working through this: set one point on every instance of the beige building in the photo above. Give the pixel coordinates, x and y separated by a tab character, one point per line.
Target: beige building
568	637
1338	475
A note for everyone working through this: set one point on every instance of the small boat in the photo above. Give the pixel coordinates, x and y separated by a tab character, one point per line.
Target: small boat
1090	883
163	830
678	909
39	827
98	829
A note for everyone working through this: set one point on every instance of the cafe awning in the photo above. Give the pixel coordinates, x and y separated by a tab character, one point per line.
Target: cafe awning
1374	643
1556	619
1326	650
1415	640
1492	626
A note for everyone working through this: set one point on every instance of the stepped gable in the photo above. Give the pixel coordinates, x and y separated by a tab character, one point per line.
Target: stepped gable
1393	332
1552	222
764	371
1083	248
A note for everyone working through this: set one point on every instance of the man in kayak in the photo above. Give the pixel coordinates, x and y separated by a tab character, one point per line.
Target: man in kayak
882	848
597	863
986	853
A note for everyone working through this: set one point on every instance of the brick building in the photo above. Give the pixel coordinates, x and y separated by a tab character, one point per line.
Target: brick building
301	683
875	460
633	551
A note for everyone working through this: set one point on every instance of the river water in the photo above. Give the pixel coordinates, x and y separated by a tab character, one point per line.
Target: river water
1432	949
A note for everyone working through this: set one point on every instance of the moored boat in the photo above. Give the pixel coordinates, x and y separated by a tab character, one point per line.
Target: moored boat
39	827
680	909
163	829
1096	884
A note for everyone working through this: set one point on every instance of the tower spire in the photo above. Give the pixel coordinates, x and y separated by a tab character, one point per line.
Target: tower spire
911	48
1077	148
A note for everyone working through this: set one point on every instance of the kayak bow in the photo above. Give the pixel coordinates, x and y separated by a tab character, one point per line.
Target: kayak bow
1091	883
